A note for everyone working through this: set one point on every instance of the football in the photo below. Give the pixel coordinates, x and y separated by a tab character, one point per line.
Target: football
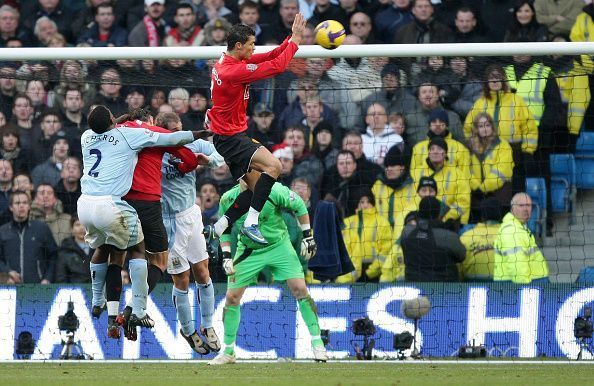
329	34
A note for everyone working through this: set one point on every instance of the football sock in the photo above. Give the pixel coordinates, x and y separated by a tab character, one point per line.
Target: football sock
113	288
309	312
184	310
98	273
231	318
261	193
221	225
206	301
138	276
235	211
154	276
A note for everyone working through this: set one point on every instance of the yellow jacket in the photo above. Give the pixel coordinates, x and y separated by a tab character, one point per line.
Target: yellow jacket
575	91
480	253
517	257
515	124
389	203
493	169
368	238
531	87
393	268
583	29
453	188
458	154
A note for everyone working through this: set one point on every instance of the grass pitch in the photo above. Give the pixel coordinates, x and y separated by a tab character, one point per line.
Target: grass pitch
293	373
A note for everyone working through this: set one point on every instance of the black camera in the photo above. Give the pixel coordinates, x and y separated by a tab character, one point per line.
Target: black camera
363	326
25	346
403	341
582	326
69	321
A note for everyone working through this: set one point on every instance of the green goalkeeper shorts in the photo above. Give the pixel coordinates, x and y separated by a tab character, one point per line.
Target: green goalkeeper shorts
280	258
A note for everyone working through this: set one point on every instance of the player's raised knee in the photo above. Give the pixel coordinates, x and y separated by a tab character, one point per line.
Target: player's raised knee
274	168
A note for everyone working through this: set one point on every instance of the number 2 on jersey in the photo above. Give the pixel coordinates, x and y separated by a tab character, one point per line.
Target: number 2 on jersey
97	153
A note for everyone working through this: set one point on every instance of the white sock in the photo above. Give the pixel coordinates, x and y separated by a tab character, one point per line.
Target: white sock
252	217
221	225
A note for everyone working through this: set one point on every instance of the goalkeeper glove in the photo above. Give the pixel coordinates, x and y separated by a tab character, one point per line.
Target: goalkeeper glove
308	245
228	264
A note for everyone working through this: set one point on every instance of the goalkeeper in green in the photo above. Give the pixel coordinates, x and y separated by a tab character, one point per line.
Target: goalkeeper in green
278	256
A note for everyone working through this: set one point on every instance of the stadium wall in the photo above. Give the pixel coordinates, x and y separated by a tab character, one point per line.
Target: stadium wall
511	320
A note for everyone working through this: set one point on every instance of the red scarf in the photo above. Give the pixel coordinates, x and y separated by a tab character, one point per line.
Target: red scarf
151	32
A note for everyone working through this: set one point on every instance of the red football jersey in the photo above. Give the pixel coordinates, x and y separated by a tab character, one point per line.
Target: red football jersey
230	86
146	183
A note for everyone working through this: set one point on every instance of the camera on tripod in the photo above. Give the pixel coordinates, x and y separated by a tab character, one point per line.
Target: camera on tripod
69	321
582	326
364	327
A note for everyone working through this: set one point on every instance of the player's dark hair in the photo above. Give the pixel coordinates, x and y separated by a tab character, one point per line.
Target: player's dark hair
99	119
239	33
141	114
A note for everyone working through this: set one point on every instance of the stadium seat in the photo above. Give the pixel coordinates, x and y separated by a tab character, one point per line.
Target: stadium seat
537	190
586	275
563	176
584	159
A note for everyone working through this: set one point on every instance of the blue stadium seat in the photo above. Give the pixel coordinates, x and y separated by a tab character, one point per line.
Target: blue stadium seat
563	177
537	190
584	159
586	275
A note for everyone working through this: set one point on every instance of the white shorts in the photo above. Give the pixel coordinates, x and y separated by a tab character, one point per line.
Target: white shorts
109	220
186	241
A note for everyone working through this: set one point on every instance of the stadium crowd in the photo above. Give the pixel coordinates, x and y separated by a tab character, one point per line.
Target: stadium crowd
377	136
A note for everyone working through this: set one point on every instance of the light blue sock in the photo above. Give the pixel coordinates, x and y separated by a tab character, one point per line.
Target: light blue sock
138	275
184	311
98	272
206	301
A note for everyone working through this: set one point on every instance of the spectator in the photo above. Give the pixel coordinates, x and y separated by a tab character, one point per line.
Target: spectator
152	29
134	97
158	97
221	176
492	165
74	255
314	110
215	9
12	151
294	113
284	154
360	26
325	10
581	29
521	132
464	88
427	187
44	29
27	247
453	184
72	77
37	92
6	174
9	27
7	88
434	70
110	86
44	136
215	32
305	164
249	15
416	120
379	137
22	182
323	147
270	11
74	121
391	94
280	27
53	10
431	252
390	20
209	201
524	25
303	188
497	17
263	126
49	171
22	116
394	189
479	243
68	188
466	27
353	141
368	240
47	208
458	155
186	33
517	256
179	99
103	31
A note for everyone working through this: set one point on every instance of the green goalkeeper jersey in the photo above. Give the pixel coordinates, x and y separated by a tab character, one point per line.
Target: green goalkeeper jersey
271	222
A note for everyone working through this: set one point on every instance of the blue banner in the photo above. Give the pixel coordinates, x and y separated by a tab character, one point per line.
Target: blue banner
510	320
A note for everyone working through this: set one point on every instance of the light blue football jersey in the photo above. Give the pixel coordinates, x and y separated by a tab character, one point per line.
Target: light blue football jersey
109	158
179	190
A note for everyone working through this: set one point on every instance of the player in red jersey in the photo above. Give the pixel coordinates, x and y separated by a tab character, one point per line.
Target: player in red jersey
230	91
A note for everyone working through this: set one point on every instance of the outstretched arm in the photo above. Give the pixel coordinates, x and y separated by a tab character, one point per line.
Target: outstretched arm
296	37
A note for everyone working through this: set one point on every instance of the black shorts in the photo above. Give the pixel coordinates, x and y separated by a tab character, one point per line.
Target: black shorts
151	219
237	150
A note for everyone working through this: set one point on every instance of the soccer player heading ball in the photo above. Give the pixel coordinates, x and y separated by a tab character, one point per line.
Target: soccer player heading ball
230	91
